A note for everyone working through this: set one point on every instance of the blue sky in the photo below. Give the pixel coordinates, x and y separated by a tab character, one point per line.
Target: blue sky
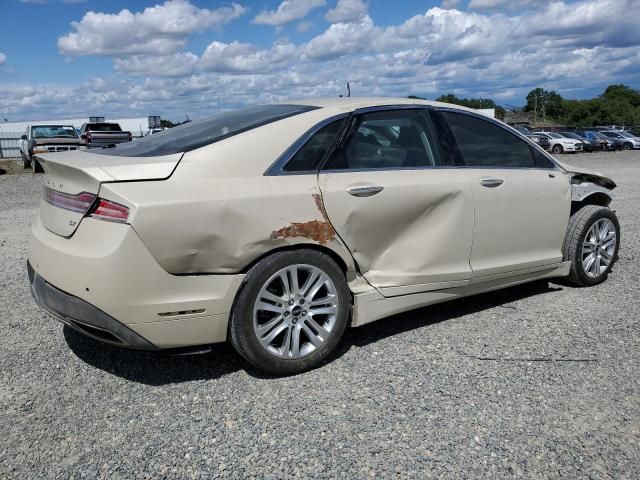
177	57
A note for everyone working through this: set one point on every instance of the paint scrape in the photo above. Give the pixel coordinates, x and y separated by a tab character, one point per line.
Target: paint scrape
319	231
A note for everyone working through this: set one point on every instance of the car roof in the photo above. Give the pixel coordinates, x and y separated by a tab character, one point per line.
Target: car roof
348	104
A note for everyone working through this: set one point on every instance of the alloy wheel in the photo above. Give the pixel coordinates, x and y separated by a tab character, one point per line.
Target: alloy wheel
295	311
599	247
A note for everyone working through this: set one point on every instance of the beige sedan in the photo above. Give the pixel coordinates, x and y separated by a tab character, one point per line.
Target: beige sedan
276	227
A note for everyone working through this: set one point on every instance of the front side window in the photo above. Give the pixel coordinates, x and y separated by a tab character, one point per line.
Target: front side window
308	158
484	144
387	140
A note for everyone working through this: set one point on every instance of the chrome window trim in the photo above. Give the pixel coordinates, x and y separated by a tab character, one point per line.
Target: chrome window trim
277	167
385	108
508	129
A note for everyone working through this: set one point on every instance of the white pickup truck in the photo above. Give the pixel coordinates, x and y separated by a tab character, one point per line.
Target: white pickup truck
46	139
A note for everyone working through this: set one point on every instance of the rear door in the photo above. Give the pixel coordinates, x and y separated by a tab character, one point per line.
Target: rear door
405	214
522	200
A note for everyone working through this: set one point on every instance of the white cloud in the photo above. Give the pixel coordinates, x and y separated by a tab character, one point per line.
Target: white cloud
244	57
342	39
176	65
347	11
449	4
590	44
304	26
158	30
287	11
3	58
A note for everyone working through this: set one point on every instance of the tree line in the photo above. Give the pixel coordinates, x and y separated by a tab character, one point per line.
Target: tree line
617	105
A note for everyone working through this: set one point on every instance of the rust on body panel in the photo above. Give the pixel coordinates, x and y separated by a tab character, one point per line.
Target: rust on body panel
320	231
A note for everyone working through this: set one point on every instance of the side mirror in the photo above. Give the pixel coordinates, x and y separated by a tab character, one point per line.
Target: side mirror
23	137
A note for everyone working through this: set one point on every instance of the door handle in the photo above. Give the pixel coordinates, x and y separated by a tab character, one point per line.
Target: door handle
491	182
364	190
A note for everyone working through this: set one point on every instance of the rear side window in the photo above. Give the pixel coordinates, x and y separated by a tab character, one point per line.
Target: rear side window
387	140
310	155
484	144
204	132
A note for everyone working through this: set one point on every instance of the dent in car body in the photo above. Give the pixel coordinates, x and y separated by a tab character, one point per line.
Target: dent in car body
229	223
583	190
396	235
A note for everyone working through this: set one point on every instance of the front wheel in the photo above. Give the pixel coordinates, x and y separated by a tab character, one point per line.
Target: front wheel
591	244
627	146
291	312
37	167
25	163
557	149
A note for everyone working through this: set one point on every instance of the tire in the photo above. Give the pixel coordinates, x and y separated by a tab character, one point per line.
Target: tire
627	146
557	148
579	231
25	163
37	168
290	318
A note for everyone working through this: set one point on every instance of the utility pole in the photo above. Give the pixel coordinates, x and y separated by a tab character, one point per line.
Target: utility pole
348	90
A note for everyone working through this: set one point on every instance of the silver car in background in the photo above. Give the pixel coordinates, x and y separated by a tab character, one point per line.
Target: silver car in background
625	139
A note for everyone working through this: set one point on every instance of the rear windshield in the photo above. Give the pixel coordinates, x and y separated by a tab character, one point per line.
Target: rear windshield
104	127
204	132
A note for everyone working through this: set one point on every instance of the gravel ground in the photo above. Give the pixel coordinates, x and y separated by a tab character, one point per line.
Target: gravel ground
534	381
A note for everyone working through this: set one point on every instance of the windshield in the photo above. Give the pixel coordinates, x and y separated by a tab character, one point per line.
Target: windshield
53	131
554	135
199	133
104	127
599	135
626	135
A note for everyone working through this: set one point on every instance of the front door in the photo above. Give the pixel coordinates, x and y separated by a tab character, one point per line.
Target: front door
522	201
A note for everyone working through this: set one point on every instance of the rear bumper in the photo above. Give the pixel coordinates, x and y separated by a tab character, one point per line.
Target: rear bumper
82	316
104	277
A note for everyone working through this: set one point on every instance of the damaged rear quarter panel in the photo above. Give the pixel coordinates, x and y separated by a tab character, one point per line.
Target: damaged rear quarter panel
218	213
221	226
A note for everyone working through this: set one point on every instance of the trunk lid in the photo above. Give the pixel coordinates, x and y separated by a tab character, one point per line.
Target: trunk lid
72	182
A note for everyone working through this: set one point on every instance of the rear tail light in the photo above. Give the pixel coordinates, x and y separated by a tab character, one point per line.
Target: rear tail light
108	210
79	203
87	203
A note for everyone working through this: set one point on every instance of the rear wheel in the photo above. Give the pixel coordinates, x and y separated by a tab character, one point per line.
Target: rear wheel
627	146
37	168
591	244
557	148
291	312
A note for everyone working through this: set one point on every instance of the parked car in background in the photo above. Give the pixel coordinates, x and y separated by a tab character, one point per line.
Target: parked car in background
627	141
587	145
46	139
541	140
603	141
276	227
103	134
560	144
